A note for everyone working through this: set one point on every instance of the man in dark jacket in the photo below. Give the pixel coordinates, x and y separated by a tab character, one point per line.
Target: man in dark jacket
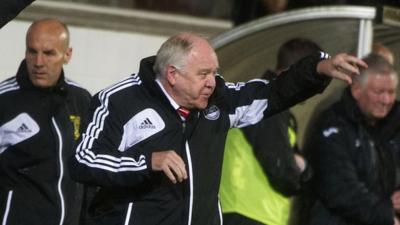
354	152
40	118
154	142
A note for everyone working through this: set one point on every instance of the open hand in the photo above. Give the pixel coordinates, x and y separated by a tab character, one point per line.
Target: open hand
341	66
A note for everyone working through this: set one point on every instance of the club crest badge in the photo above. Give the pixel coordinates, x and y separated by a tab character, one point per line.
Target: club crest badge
212	113
76	123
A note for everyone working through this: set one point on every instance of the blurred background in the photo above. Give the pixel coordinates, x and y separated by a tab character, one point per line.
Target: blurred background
109	37
238	11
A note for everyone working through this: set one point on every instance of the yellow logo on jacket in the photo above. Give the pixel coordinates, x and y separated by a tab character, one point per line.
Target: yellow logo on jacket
76	123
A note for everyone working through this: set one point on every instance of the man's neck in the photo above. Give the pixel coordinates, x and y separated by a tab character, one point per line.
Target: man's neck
164	89
371	122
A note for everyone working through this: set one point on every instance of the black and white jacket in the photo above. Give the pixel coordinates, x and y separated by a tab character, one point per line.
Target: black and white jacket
38	131
133	118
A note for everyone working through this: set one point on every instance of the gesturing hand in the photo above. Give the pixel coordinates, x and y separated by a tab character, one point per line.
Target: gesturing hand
341	66
170	163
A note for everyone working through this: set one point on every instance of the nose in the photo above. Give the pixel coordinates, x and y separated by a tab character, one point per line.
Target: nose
387	98
38	60
210	83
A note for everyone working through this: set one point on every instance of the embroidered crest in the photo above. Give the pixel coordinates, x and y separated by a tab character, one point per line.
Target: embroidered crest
212	113
76	123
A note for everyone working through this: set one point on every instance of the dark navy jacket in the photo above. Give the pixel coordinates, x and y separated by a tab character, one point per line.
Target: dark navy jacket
355	167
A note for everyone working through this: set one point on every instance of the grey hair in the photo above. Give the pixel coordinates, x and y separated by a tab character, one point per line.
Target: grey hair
173	52
377	65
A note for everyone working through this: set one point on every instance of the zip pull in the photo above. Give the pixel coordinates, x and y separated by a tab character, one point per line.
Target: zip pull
183	127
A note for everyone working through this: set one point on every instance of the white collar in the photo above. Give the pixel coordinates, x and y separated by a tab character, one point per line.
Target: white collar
171	100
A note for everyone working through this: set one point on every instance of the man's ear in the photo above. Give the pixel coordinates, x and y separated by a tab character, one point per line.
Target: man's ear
67	55
171	73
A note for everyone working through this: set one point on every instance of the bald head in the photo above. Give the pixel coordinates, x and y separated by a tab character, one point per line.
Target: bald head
47	50
51	27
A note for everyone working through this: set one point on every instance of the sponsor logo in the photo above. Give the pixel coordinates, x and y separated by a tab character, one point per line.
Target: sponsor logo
212	113
147	124
24	129
18	129
141	126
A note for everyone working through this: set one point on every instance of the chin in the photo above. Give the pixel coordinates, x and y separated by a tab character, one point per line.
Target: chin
41	84
380	116
201	105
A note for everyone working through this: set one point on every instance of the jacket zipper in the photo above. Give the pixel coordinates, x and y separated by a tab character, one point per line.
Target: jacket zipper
220	212
61	170
189	159
128	213
8	205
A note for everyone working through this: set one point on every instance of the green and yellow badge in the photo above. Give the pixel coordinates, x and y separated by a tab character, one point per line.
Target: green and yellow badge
76	123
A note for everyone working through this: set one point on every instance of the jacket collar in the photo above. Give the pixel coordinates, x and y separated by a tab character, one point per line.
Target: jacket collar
349	106
148	78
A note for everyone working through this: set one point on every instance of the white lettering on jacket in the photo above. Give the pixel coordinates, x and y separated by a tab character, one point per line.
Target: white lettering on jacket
329	131
140	127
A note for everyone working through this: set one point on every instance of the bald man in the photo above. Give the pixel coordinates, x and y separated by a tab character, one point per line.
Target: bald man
40	117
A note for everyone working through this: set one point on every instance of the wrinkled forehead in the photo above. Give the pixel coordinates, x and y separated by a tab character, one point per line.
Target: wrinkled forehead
203	56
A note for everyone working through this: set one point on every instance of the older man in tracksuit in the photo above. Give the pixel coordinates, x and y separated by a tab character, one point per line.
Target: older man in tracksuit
157	165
